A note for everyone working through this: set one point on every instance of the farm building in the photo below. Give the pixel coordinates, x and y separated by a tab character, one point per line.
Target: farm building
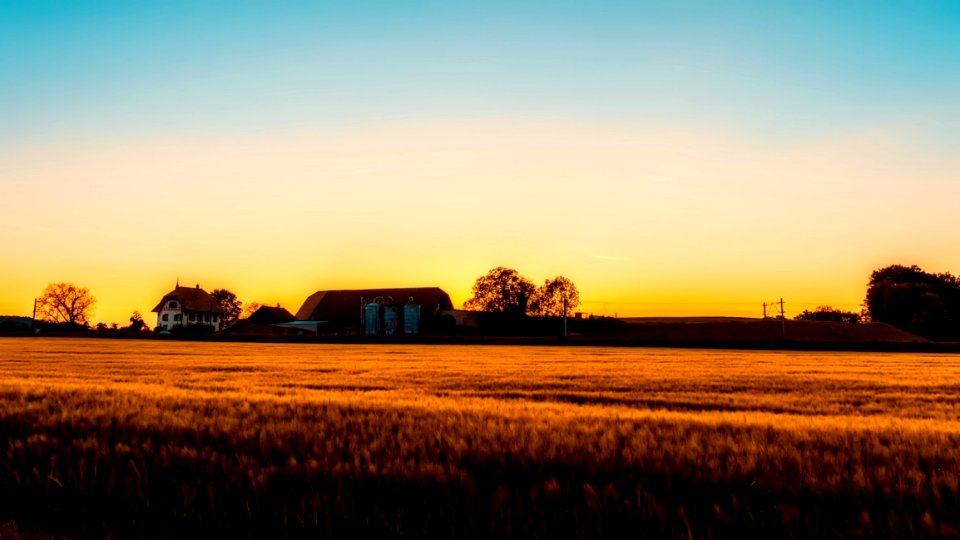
266	320
186	306
351	309
270	315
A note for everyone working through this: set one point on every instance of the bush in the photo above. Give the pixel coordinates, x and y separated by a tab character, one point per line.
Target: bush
829	314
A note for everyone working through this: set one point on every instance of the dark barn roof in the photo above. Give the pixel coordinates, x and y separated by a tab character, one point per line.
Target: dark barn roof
270	315
264	322
343	307
192	299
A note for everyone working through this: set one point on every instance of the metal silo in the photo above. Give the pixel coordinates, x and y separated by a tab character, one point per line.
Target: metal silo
371	318
411	318
390	321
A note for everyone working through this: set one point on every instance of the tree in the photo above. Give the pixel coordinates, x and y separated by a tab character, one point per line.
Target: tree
136	322
917	301
557	297
250	308
502	290
230	304
830	314
66	303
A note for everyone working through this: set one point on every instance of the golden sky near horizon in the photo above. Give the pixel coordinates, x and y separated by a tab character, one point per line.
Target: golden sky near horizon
647	221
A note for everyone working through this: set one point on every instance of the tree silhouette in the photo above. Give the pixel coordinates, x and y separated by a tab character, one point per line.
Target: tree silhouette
555	298
66	303
917	301
136	322
249	309
502	290
231	305
830	314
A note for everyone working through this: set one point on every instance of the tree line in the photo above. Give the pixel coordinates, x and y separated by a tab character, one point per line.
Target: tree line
71	307
926	304
923	303
504	290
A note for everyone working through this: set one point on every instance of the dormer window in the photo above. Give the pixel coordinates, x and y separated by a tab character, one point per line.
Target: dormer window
173	304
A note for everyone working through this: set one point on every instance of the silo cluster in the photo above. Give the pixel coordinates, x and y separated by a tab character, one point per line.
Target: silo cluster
385	317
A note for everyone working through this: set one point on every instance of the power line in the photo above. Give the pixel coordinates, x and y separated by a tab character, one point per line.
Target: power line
627	303
783	314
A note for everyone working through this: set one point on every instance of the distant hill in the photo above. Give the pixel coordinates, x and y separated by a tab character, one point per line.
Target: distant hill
761	330
637	320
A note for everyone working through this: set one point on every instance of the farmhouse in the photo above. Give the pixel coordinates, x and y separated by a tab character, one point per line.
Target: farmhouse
185	306
351	309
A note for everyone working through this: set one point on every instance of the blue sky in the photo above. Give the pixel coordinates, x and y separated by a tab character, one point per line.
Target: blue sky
783	69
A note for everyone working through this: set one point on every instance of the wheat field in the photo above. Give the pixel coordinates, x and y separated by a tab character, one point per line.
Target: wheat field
142	438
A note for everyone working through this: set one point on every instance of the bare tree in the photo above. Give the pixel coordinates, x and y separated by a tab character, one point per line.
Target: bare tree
66	303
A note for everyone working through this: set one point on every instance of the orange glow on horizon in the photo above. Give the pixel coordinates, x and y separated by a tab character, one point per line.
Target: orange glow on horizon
663	220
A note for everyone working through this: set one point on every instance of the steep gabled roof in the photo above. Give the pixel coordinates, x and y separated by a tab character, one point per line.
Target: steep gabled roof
344	305
192	299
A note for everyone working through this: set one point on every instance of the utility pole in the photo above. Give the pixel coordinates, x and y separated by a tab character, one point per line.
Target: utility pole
783	320
564	316
33	319
764	310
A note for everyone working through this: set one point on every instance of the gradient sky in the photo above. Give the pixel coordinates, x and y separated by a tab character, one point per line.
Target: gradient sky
671	158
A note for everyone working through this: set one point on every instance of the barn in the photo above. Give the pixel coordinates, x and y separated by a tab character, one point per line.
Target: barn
344	309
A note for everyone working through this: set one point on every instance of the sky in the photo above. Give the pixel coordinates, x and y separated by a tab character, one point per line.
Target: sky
678	158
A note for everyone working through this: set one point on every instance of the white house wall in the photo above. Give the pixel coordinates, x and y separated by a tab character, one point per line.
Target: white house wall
172	313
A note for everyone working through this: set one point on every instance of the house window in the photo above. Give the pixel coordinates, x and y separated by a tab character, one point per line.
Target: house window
176	317
193	317
164	317
173	305
206	318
